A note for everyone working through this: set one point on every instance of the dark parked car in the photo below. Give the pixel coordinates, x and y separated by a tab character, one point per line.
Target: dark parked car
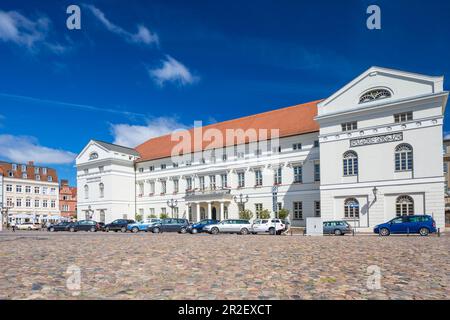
338	228
198	226
85	225
421	224
170	225
118	225
62	226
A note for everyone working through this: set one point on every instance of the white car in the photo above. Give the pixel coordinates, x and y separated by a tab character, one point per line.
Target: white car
27	226
240	226
267	226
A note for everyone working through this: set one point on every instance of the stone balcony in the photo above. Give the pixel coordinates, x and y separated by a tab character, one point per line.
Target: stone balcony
208	194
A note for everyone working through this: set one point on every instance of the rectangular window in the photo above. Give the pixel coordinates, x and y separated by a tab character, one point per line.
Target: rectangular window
36	203
316	143
163	187
44	170
175	165
298	210
316	172
151	168
53	204
44	203
9	187
38	177
163	166
9	202
258	178
317	208
19	188
27	189
14	167
50	178
36	170
297	146
258	209
24	168
277	176
201	180
298	174
175	186
36	190
212	182
18	202
241	179
141	170
349	126
152	187
24	175
224	180
28	203
140	189
189	183
402	117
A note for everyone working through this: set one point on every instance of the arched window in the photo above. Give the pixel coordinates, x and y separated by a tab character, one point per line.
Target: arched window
351	208
404	206
202	213
350	163
375	94
86	191
101	188
93	156
403	157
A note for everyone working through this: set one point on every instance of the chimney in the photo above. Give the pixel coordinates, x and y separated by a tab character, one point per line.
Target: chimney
64	182
30	163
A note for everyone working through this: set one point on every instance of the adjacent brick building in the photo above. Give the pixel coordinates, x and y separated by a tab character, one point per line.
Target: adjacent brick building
67	200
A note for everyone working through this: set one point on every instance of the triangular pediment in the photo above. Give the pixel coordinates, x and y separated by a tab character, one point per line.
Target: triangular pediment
380	85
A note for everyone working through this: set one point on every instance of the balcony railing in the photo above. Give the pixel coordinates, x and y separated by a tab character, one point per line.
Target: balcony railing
209	193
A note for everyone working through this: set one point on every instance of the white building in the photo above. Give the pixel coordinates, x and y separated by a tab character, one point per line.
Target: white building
369	152
30	192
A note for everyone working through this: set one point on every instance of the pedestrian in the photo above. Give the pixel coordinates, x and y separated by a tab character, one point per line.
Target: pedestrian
13	226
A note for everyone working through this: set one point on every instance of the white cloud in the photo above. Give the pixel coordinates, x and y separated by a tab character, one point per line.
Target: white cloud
446	134
16	28
174	71
24	148
143	35
133	135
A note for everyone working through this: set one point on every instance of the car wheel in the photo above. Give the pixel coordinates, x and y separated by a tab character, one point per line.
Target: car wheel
272	231
385	232
337	232
424	231
183	230
72	229
52	229
92	229
214	230
244	231
194	231
156	230
134	229
29	228
123	229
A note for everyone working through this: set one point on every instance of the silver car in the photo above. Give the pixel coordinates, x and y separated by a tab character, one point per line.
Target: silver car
240	226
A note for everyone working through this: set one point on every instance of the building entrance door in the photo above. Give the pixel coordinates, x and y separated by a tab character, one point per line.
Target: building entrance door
214	213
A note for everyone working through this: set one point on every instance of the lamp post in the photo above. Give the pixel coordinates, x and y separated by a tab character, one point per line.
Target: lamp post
4	212
241	200
172	204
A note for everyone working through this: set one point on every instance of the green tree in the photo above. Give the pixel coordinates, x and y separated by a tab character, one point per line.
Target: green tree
246	214
283	213
138	217
151	216
163	216
264	214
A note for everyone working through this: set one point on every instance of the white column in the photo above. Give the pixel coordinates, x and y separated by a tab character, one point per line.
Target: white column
209	210
221	213
197	214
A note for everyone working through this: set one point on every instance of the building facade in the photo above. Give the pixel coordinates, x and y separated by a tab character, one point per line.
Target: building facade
30	192
67	200
369	152
447	179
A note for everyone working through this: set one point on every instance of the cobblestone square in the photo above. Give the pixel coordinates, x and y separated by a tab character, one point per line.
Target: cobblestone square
39	265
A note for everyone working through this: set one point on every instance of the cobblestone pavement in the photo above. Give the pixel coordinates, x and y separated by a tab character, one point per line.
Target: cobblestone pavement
34	265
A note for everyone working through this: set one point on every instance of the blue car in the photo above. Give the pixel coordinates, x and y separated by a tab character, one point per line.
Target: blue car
198	226
142	225
421	224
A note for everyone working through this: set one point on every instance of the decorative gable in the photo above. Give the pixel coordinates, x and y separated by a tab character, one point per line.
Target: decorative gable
379	86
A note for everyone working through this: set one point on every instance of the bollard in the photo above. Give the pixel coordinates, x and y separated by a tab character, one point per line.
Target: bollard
353	231
439	232
407	232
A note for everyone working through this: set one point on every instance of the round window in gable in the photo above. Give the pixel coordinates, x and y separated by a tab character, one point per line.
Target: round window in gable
93	156
376	94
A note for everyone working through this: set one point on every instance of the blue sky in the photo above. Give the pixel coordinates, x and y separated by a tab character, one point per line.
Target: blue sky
137	69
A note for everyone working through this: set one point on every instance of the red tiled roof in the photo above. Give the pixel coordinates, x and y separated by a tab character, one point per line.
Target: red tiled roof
298	119
6	167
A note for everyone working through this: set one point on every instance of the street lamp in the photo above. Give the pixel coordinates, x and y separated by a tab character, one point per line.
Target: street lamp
241	200
375	192
172	205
